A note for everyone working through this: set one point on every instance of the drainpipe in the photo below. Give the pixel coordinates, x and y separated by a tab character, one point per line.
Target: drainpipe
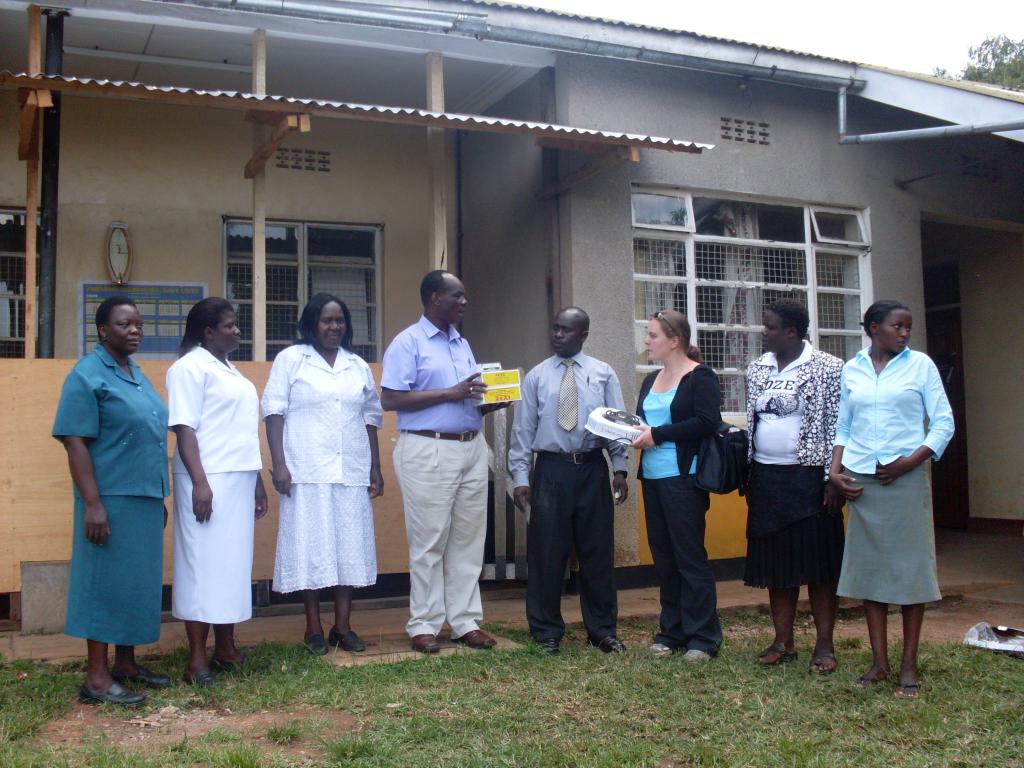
48	188
916	134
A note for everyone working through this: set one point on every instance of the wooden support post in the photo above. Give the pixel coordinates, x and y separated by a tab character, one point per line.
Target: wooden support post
436	158
499	449
35	66
259	208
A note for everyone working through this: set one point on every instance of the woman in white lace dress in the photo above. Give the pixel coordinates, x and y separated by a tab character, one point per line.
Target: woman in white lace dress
322	413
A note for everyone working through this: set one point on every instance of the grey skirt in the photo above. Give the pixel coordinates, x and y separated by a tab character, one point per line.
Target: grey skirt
890	542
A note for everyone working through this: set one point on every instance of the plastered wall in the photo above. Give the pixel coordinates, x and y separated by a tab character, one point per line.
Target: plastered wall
173	173
803	163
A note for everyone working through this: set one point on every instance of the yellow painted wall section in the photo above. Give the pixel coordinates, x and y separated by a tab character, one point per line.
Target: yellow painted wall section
35	485
726	533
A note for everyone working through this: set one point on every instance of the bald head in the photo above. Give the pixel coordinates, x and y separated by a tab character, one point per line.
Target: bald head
569	330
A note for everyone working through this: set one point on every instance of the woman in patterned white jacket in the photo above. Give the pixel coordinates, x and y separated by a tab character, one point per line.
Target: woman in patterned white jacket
794	529
322	413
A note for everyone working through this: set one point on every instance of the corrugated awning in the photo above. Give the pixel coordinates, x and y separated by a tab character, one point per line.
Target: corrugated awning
286	105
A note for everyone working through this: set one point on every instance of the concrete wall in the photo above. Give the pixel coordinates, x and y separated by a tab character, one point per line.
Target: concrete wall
172	173
804	163
507	245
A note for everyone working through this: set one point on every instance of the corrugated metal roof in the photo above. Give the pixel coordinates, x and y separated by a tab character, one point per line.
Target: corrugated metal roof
344	109
637	25
983	89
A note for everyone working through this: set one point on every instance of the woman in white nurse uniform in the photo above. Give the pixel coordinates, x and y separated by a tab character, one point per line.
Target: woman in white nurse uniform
218	490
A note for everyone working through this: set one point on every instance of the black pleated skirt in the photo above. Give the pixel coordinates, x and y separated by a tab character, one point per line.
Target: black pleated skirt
808	551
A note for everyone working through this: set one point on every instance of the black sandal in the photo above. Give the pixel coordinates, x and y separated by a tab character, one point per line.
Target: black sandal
820	659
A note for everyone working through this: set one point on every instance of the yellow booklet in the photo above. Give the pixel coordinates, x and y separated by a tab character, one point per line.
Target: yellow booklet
503	385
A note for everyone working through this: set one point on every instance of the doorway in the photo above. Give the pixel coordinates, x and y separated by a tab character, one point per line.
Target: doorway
950	489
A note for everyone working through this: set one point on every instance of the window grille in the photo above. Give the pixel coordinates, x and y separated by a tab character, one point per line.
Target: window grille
12	283
738	258
302	260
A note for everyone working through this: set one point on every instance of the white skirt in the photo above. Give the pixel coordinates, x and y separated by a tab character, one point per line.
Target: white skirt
213	560
325	538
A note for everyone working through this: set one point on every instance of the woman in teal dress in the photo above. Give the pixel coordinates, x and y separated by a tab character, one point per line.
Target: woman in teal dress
114	427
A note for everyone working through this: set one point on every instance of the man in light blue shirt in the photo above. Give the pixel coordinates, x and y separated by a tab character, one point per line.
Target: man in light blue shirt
571	501
431	378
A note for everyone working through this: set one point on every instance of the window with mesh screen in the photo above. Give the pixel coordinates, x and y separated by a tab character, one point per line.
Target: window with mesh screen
304	259
12	283
737	257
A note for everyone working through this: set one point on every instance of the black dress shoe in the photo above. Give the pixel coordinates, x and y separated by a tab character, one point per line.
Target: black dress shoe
201	679
315	644
147	677
348	642
609	644
115	694
549	646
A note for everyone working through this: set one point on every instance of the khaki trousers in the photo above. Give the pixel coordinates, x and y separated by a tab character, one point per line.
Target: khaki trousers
444	490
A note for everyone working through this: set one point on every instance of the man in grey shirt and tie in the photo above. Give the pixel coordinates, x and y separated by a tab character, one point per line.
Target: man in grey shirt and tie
570	499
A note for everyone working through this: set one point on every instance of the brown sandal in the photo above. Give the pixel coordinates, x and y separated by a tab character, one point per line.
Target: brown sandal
774	655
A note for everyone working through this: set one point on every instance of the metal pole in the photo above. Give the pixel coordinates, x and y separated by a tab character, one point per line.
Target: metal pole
937	132
842	112
48	189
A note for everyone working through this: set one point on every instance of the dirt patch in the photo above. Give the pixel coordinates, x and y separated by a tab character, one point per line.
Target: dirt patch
150	732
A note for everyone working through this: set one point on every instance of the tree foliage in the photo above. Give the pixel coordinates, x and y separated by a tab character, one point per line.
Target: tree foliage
997	60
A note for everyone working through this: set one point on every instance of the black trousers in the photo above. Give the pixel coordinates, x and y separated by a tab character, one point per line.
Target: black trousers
571	505
674	508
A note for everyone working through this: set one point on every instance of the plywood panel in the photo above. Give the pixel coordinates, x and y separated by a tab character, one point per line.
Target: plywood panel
35	487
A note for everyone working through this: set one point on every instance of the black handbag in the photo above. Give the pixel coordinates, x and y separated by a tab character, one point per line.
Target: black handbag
722	460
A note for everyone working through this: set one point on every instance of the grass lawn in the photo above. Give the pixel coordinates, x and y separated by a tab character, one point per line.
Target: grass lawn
520	708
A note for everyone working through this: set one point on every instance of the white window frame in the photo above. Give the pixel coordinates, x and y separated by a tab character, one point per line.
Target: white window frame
811	246
858	215
685	197
303	262
16	300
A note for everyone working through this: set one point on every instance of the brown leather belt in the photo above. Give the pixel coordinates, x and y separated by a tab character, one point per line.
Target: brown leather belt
461	437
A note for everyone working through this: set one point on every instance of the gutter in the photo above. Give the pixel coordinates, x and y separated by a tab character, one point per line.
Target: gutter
475	25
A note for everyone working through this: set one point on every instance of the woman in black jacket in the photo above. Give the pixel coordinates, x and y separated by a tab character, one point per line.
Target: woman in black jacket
681	405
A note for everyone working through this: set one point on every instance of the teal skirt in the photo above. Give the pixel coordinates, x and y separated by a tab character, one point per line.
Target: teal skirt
115	590
890	542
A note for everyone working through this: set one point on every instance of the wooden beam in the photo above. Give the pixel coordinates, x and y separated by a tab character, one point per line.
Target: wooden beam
28	132
259	208
391	116
572	145
34	66
285	125
436	159
589	169
35	47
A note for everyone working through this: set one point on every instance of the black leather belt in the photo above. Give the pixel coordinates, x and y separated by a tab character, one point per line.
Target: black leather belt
574	457
462	437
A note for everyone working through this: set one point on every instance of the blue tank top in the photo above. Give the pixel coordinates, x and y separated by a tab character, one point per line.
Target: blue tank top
661	461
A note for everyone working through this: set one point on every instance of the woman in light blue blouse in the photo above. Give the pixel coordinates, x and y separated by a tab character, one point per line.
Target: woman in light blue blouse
881	447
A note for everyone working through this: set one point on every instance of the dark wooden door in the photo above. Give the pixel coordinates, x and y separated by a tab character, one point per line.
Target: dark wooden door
950	498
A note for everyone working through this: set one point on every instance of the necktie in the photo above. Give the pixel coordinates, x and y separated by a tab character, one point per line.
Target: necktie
568	399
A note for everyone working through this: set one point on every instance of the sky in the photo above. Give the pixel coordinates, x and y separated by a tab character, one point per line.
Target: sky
913	35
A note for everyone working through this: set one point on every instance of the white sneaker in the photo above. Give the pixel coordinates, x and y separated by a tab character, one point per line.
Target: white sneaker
694	656
660	649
